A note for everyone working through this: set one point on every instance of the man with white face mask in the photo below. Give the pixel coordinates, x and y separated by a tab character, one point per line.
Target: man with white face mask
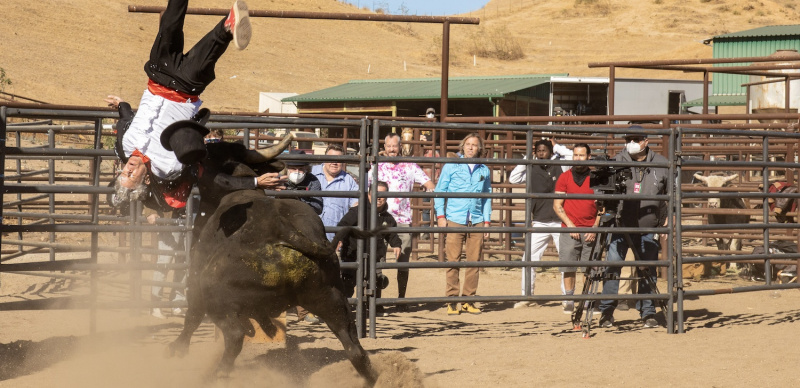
298	178
636	213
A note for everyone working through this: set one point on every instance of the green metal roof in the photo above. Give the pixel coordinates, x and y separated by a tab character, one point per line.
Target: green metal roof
425	88
719	100
768	31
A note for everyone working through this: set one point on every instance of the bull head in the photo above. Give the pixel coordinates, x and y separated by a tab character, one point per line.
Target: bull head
407	135
715	181
267	154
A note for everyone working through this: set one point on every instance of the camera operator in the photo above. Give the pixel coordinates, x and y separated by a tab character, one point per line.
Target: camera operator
635	213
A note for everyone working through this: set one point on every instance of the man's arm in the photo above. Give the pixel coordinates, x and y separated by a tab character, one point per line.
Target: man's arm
315	202
350	219
422	178
518	174
558	207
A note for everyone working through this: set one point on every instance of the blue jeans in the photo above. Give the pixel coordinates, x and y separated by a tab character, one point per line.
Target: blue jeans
647	248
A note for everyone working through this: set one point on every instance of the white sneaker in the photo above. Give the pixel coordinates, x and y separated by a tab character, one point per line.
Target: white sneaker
177	311
568	307
156	313
523	304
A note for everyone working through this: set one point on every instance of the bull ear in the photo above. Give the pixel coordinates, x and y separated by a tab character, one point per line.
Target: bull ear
267	154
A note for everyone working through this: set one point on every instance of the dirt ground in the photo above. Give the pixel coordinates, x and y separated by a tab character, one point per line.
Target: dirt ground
732	340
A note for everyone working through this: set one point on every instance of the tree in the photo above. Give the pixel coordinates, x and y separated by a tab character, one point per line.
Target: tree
4	80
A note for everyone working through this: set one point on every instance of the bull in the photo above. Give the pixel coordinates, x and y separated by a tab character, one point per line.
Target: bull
723	243
724	203
255	257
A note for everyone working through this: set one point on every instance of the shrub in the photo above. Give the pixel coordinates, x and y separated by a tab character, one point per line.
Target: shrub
497	43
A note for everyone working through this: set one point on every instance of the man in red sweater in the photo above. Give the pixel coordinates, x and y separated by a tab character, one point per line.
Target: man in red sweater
573	213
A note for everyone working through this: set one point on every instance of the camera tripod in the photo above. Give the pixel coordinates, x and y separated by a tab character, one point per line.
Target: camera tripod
594	275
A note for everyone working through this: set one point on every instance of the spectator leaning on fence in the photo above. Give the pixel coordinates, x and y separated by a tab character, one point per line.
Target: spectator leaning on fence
333	177
461	212
401	178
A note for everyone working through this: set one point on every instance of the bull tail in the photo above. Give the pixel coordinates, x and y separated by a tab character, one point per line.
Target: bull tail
352	231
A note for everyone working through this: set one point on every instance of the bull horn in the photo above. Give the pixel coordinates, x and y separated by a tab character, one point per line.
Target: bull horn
730	178
266	154
700	177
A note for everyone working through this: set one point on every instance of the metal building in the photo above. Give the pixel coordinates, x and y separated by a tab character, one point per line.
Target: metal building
727	89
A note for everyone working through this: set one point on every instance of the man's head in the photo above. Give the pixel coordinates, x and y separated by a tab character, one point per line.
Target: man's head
391	145
382	186
333	168
543	149
296	170
131	183
636	143
581	151
471	146
133	173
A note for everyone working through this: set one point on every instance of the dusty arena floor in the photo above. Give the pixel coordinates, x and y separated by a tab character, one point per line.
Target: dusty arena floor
734	340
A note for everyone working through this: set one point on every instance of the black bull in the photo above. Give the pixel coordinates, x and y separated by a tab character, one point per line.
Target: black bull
256	257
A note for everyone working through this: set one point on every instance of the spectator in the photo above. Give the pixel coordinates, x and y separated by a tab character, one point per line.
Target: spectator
401	178
573	213
332	177
543	181
636	213
460	212
349	244
299	178
175	82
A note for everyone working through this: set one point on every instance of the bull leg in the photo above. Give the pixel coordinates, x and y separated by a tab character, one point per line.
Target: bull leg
233	332
194	316
336	313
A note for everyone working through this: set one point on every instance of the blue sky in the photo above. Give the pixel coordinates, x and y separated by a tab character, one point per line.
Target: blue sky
422	7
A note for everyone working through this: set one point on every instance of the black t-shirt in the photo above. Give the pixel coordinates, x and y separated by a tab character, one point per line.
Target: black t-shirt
543	180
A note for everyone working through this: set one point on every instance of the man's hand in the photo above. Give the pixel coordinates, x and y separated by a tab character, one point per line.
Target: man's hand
590	237
441	222
113	101
575	236
271	181
396	251
151	219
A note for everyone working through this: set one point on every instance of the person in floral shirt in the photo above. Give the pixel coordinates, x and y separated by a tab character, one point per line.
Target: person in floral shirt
401	177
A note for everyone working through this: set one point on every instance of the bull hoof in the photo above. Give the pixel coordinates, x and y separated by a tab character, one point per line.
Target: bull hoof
176	349
222	372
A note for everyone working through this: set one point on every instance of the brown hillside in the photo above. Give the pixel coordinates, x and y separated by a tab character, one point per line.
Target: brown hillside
77	51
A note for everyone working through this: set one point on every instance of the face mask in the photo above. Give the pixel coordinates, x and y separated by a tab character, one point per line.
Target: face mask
296	177
633	148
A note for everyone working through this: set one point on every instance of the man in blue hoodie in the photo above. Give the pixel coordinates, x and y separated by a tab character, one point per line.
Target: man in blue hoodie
460	212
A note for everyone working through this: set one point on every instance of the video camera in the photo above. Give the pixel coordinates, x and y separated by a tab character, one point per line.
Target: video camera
608	179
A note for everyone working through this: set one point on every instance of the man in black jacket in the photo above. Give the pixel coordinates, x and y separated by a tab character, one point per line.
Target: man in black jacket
348	243
299	178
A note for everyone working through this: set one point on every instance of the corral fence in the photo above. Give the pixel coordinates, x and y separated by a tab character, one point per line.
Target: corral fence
58	225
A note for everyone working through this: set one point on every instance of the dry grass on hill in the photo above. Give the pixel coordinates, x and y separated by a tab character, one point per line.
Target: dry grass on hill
77	51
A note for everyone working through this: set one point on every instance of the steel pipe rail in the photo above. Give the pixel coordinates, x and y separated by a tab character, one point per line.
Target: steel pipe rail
370	17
